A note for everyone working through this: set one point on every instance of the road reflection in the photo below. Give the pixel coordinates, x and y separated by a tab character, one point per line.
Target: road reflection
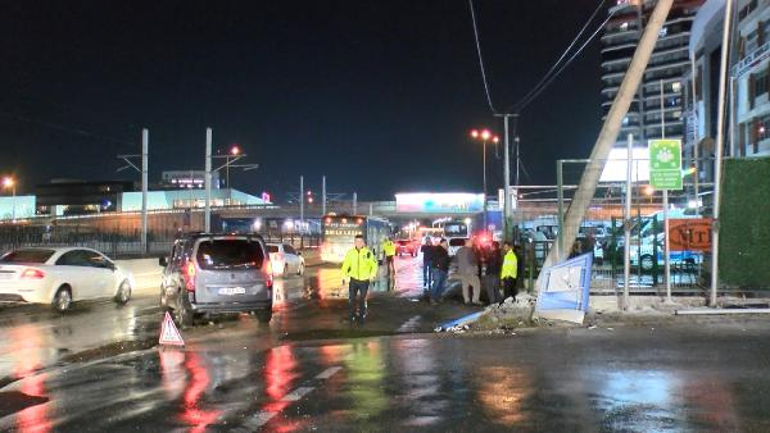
366	370
502	393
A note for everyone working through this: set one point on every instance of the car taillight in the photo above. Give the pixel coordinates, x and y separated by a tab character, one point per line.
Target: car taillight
269	281
32	274
189	276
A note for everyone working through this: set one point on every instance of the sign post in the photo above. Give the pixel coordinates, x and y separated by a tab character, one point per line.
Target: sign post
666	174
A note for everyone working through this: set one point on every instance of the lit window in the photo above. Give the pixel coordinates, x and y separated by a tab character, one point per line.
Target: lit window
663	32
676	86
624	26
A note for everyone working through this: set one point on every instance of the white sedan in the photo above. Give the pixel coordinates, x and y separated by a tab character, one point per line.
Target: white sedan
61	276
285	259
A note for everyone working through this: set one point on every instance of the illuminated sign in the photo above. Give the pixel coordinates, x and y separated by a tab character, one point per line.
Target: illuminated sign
617	165
439	203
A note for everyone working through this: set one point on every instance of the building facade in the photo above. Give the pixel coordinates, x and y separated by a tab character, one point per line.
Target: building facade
747	128
657	109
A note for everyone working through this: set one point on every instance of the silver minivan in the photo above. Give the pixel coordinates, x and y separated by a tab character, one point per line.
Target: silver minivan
210	274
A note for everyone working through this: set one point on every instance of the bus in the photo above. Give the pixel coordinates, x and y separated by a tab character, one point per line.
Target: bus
339	231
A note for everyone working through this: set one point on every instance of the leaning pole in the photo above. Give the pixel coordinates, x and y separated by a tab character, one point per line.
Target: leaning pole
607	137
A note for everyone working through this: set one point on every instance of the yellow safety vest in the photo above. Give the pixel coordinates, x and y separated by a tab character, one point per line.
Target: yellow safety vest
510	265
389	248
359	265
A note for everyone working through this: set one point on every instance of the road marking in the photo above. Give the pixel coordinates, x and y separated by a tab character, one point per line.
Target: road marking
409	325
328	373
297	394
260	419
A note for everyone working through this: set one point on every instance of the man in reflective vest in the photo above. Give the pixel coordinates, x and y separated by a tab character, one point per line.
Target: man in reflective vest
360	267
510	271
389	250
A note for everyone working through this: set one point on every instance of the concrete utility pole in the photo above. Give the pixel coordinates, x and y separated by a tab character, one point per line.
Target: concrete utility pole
719	151
301	199
145	168
355	203
323	195
627	223
207	182
507	208
666	223
608	135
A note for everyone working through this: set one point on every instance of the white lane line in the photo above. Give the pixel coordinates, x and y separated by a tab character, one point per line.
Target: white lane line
297	394
329	372
410	324
260	419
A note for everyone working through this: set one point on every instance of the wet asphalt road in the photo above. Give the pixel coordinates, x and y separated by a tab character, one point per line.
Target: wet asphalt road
98	370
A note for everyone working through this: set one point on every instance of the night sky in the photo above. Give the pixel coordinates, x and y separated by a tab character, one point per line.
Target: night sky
377	95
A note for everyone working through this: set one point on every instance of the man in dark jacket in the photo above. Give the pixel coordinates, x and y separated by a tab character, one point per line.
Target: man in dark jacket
494	262
427	257
440	269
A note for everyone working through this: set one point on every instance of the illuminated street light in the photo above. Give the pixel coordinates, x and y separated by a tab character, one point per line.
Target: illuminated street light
235	151
485	135
10	183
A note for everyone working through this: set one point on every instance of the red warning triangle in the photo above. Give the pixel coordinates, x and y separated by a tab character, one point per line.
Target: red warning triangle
169	334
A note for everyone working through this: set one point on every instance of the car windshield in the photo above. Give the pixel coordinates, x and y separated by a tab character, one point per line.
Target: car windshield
272	248
457	242
27	256
229	254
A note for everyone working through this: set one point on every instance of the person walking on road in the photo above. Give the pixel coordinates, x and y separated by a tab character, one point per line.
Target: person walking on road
494	262
389	249
468	272
360	267
440	269
510	271
427	256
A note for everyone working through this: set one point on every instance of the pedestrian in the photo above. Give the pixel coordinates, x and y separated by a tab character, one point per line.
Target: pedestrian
440	269
510	271
494	262
389	249
468	273
427	256
360	267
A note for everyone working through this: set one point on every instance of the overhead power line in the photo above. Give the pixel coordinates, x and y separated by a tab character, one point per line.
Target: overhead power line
481	58
537	91
544	81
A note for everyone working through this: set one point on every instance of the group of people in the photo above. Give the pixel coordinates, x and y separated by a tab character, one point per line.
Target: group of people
497	268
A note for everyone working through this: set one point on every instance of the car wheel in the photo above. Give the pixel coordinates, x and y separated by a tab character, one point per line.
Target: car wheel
301	269
62	301
124	293
184	313
264	316
647	263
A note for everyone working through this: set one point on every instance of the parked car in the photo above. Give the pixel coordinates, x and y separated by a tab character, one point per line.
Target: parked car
455	244
406	246
286	260
61	276
213	274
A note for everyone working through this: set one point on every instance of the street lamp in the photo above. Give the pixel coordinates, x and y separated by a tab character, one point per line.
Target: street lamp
10	183
485	135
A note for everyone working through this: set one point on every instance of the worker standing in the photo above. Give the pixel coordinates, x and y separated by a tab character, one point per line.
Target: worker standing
389	249
510	271
360	267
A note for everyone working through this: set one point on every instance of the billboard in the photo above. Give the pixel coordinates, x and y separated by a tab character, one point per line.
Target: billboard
616	167
690	234
446	203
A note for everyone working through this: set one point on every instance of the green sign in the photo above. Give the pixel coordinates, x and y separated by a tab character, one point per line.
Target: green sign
666	164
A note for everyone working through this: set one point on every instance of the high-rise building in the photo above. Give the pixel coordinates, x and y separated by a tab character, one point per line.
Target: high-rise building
651	111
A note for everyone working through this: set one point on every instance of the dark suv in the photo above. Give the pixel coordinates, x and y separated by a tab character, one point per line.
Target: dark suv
217	273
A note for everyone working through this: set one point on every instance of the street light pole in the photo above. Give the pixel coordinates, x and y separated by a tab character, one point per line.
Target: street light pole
485	185
145	175
207	183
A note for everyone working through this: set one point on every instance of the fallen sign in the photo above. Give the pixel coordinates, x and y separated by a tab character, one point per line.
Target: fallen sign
565	289
458	324
169	334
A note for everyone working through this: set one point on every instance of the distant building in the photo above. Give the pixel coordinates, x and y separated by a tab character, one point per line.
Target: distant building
668	64
180	179
77	197
187	198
